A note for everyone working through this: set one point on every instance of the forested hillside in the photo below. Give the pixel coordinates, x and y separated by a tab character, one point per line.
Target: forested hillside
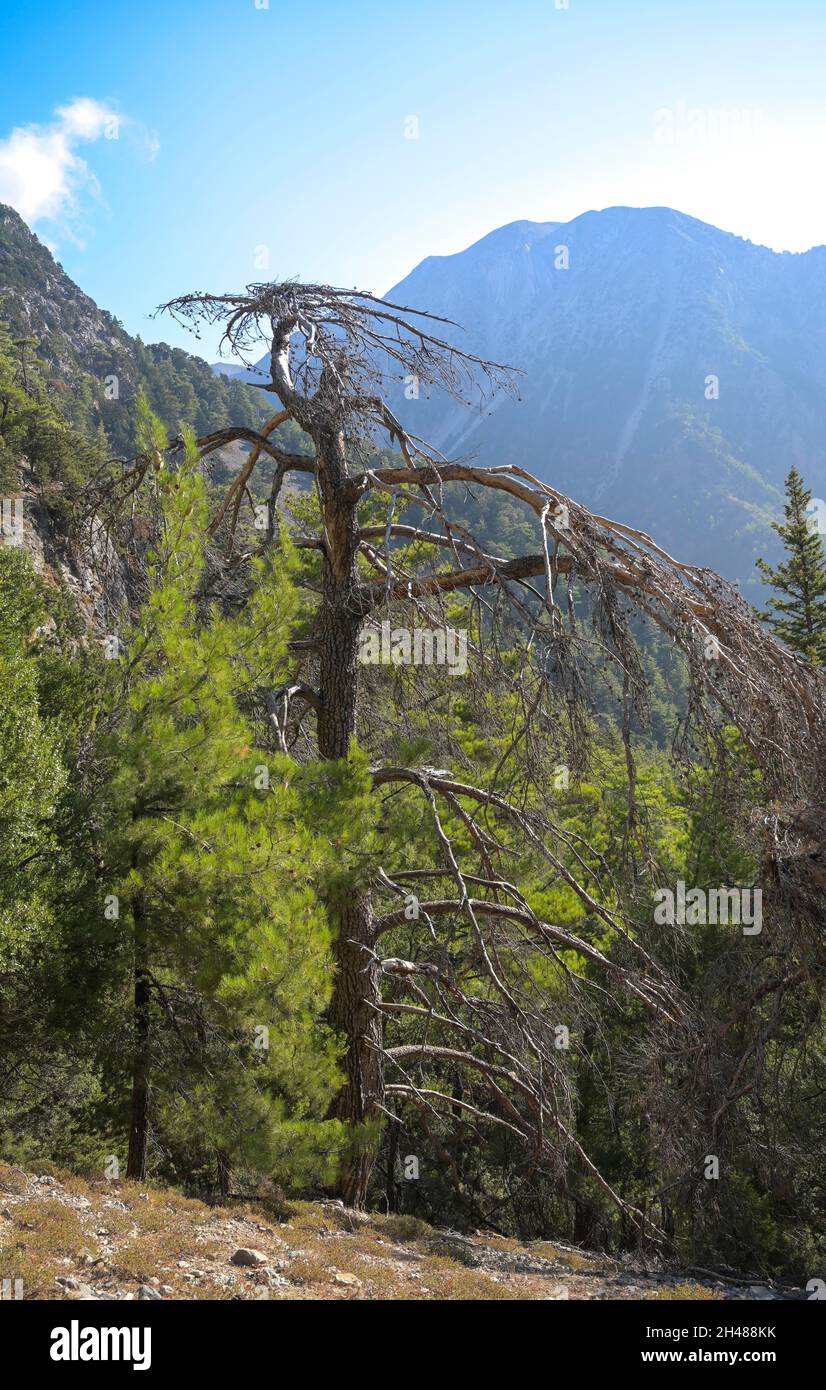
93	368
338	839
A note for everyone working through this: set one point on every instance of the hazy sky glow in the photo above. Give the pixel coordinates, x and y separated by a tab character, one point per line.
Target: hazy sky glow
260	143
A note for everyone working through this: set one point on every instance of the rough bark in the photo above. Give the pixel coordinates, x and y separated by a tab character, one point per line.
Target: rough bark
354	1008
354	1012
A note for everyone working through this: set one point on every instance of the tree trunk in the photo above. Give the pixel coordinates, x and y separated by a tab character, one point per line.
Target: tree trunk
353	1008
358	1103
139	1120
224	1174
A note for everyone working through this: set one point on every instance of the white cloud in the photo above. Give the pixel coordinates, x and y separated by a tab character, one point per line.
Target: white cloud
41	173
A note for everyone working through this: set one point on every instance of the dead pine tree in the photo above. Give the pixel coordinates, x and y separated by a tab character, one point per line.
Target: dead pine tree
334	358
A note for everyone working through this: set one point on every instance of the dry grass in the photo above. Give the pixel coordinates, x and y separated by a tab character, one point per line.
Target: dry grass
154	1251
113	1223
12	1179
50	1228
311	1267
39	1236
405	1230
683	1292
546	1250
114	1236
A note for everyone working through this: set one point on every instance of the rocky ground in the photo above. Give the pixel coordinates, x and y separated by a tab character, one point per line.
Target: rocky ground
65	1238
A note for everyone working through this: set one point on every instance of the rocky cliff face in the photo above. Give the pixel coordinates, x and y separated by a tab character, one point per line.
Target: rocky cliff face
85	565
91	370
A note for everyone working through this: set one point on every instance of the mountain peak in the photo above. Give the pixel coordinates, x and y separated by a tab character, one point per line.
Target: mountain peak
671	371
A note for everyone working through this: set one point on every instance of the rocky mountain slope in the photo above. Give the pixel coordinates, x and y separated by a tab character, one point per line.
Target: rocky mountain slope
95	366
65	1238
672	372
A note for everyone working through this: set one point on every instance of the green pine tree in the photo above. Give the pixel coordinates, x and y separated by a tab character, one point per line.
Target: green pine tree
31	778
60	457
208	878
797	612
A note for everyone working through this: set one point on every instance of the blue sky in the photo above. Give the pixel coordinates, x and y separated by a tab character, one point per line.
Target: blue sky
261	143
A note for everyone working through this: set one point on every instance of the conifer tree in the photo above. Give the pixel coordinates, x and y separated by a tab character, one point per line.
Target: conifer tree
797	612
209	874
31	778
